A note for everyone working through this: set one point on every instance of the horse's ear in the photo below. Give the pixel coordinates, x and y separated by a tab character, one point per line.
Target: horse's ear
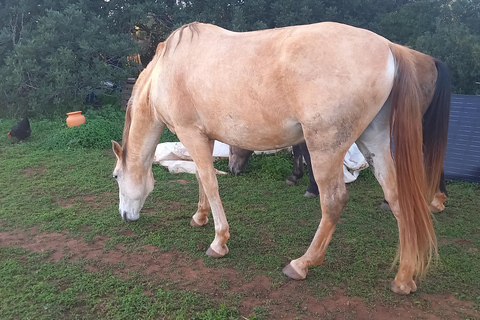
160	47
117	149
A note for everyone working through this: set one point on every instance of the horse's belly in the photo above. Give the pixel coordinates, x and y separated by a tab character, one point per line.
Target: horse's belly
258	135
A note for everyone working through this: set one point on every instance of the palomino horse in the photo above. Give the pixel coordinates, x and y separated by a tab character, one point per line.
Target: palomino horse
327	84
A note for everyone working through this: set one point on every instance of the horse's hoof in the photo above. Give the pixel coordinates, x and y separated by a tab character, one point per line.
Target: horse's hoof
194	223
310	195
403	289
385	206
291	182
292	273
212	253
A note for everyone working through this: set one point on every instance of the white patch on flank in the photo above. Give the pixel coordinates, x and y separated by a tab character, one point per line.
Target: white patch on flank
391	68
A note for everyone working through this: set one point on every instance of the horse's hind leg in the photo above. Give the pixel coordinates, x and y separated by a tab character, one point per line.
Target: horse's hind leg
297	168
312	190
200	149
328	170
374	143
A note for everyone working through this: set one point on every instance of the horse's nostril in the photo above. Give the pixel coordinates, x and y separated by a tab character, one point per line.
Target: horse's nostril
236	171
124	216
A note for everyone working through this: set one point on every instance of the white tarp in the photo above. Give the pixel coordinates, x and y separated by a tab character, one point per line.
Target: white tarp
353	163
174	156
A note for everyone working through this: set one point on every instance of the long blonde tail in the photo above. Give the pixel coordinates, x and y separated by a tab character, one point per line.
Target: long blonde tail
417	237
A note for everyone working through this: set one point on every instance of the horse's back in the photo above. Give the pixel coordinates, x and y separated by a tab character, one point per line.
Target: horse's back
269	86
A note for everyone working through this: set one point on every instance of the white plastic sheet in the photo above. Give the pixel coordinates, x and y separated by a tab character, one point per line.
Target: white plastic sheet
175	157
353	163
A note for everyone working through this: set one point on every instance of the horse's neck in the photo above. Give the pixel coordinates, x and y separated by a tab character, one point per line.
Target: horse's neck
143	139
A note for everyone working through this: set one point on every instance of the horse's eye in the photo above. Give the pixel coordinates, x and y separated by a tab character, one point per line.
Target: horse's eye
115	176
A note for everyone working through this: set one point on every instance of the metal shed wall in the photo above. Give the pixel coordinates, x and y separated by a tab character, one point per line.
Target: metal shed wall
462	161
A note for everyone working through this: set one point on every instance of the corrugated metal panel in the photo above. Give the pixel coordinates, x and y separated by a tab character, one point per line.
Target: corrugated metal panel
462	161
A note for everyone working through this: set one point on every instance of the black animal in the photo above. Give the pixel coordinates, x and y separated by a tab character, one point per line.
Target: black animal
300	152
239	157
21	130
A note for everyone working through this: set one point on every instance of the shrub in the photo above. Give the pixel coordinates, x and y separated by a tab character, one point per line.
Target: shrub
58	56
100	128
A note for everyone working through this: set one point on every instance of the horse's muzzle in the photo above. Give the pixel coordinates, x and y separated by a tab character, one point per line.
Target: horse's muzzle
235	171
124	216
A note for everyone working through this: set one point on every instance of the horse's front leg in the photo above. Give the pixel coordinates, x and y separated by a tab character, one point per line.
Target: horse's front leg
200	217
200	149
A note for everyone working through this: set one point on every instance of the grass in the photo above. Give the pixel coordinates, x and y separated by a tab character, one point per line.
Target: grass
44	290
71	190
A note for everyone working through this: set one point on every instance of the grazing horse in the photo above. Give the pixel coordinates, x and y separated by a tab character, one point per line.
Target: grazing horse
327	84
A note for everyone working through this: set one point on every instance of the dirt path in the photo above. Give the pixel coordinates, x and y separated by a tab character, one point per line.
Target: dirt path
289	300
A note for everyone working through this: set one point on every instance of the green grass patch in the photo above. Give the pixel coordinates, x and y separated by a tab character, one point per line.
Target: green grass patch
71	189
35	289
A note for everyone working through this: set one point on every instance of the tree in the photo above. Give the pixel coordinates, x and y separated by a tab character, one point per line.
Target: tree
56	56
53	52
447	30
411	21
459	49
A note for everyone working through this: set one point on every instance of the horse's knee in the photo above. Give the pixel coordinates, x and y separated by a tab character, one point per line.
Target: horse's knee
343	198
333	203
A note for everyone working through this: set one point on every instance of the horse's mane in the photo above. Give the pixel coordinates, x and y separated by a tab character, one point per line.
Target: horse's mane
169	45
126	129
128	113
140	95
193	27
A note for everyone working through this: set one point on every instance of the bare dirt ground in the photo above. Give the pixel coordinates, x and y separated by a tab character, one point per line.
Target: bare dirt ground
289	300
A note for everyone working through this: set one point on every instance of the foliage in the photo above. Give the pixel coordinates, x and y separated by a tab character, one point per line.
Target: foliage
100	128
410	22
53	56
447	30
463	61
54	52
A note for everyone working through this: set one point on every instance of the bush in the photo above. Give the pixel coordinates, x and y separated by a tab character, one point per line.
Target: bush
58	57
100	128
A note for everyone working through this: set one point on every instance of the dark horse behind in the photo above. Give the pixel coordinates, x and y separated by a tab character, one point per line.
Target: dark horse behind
238	159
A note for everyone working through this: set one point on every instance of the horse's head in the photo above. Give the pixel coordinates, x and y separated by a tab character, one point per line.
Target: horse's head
238	159
135	182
